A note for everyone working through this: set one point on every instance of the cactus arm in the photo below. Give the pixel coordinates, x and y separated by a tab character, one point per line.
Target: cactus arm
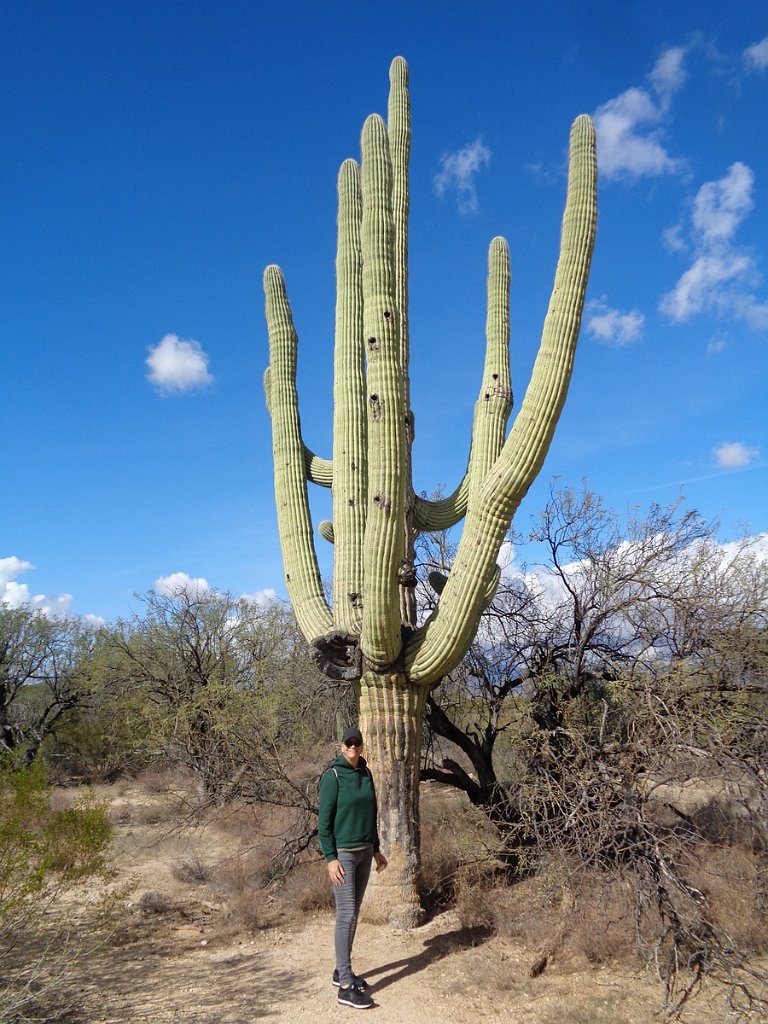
318	470
442	513
438	646
494	404
384	543
349	409
399	133
302	575
492	407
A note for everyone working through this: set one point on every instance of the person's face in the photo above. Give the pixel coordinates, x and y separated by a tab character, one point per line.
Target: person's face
352	750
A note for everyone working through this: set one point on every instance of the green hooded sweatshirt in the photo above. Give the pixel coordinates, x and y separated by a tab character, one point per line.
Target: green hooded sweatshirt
348	812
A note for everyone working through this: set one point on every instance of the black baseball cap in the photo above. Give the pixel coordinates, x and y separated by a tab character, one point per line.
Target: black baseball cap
352	733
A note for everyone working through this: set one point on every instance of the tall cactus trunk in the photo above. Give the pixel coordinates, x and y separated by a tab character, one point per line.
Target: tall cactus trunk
391	716
370	635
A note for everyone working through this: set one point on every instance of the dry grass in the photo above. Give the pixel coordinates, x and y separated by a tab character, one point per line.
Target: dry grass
155	902
734	881
212	880
458	860
306	890
247	904
193	868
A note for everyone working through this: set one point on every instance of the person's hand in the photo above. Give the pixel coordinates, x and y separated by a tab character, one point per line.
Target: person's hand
336	871
381	861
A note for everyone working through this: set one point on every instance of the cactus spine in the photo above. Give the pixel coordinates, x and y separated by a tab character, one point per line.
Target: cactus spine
369	635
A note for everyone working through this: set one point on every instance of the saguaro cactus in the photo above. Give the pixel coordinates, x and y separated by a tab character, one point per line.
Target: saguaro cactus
370	634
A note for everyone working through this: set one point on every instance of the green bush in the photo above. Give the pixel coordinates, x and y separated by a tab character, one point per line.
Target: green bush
42	850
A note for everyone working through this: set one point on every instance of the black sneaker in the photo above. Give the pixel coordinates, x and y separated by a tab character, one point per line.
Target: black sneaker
355	998
360	983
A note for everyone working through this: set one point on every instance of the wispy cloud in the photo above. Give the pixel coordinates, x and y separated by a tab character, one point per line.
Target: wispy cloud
668	74
629	127
723	276
458	172
756	56
673	239
177	365
611	326
735	455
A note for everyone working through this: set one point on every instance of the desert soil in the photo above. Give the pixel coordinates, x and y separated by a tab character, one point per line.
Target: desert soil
171	957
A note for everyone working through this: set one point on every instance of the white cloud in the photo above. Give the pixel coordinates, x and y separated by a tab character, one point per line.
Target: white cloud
197	587
705	285
734	455
628	127
458	172
756	56
716	345
177	583
177	365
261	598
611	326
758	547
10	568
18	595
723	276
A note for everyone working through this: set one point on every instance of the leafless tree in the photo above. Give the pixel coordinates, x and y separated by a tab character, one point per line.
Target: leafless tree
227	688
626	672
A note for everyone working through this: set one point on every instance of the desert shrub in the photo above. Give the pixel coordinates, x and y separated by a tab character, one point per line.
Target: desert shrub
155	902
459	862
44	851
306	889
193	868
249	905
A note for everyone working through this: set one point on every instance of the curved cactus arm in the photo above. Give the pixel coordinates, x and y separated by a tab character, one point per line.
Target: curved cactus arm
302	575
442	513
492	407
384	544
439	645
318	470
349	409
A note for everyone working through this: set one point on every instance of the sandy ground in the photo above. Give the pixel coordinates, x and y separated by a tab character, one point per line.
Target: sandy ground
180	961
433	975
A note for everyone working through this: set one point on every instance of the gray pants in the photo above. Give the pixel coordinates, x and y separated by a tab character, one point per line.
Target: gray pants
349	897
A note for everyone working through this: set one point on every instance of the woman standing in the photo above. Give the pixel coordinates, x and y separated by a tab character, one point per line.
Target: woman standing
349	840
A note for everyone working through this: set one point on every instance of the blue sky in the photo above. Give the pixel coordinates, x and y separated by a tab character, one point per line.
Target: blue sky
156	156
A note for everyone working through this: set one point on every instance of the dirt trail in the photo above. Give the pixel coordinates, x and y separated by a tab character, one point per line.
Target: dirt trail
172	957
432	975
